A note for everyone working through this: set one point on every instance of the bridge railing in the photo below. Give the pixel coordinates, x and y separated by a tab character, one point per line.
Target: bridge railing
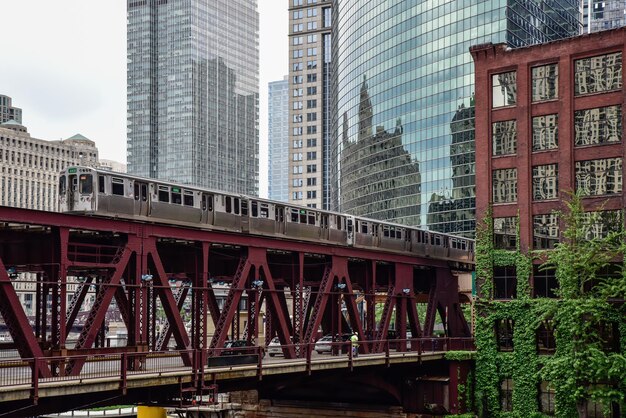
47	370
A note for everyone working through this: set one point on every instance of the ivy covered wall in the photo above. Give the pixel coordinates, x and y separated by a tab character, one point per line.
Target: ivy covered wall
579	369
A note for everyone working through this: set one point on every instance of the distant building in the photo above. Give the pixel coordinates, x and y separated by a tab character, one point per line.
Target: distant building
278	140
603	14
8	112
193	92
310	102
29	178
112	165
30	167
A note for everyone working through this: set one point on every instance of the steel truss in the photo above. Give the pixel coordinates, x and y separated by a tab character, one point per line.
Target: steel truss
163	281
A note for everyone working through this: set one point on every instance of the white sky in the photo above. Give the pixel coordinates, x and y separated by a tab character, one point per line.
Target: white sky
63	63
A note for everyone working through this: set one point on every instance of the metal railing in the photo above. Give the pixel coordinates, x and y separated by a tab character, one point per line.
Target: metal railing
122	366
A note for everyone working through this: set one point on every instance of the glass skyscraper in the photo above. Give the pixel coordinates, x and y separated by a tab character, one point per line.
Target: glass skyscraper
193	92
278	140
403	127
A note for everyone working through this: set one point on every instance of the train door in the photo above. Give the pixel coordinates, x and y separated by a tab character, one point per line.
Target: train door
206	204
245	216
350	229
72	191
140	193
280	219
324	226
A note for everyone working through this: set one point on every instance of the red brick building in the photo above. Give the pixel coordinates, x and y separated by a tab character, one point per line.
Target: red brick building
548	122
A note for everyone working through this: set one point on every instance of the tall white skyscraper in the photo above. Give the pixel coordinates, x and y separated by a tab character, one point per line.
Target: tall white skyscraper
193	92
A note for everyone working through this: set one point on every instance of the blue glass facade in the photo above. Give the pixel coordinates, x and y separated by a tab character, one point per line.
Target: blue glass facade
403	101
193	92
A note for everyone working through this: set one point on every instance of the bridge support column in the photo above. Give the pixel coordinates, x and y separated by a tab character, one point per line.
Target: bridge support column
460	387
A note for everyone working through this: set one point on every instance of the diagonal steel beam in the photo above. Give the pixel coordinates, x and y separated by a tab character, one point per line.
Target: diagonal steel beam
168	302
98	311
15	318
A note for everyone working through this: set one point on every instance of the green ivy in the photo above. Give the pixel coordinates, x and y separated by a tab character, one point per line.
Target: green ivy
579	364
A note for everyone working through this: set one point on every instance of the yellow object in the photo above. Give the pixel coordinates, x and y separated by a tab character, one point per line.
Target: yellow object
150	412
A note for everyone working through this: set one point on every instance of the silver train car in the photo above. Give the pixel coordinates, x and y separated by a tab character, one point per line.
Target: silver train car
98	192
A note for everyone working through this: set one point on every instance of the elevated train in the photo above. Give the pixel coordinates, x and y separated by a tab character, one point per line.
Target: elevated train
99	192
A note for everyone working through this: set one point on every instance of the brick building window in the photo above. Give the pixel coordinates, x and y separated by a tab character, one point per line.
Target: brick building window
505	233
601	125
545	82
546	344
504	282
544	282
504	89
505	185
545	182
504	334
547	398
598	74
545	132
506	395
545	231
504	137
598	224
599	177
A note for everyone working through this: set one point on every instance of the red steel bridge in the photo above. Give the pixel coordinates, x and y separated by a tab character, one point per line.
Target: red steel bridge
176	334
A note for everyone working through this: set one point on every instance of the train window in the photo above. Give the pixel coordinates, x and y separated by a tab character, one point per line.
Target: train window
62	185
85	184
101	184
188	198
236	205
324	221
117	187
265	211
294	215
339	222
435	239
144	192
176	196
164	194
420	236
136	190
363	227
311	218
303	216
244	208
349	225
254	209
229	207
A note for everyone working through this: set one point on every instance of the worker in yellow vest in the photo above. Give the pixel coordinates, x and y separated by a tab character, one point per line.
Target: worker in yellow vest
355	344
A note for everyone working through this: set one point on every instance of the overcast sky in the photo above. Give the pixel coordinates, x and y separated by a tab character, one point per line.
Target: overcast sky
63	63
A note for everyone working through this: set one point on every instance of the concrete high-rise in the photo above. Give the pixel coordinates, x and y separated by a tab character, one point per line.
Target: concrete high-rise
402	85
278	140
309	119
8	112
603	14
193	92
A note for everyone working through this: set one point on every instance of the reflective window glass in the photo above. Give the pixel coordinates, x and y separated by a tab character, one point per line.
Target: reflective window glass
545	231
505	185
504	137
598	74
600	125
545	82
545	182
504	89
599	177
545	132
